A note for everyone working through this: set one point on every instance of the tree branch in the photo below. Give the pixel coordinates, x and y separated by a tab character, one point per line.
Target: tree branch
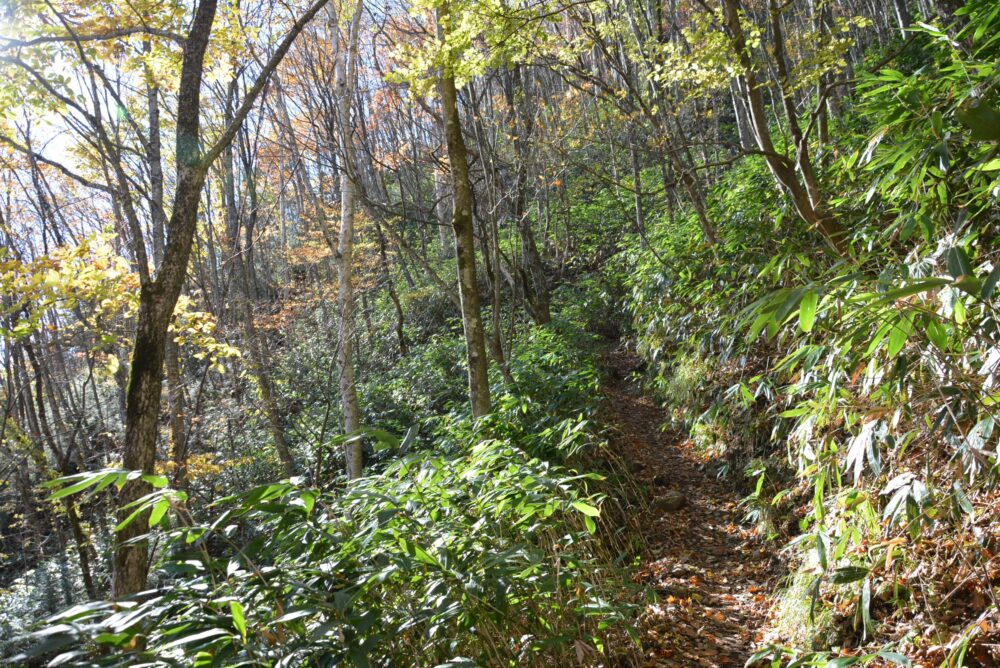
251	96
10	43
20	148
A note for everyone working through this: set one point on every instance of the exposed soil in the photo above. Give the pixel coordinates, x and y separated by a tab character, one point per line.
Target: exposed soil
711	575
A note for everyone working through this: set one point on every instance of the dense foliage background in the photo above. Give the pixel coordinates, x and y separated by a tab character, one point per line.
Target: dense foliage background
788	211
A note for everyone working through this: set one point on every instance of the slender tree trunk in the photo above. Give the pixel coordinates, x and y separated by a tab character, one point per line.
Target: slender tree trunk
806	199
492	265
640	215
739	109
259	365
536	286
178	413
175	389
158	297
83	547
441	214
903	16
404	349
242	290
157	214
346	80
461	222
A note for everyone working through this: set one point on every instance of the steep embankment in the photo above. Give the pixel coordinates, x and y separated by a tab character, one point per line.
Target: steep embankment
710	574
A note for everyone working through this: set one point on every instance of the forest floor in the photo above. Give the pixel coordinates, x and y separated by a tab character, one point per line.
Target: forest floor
712	576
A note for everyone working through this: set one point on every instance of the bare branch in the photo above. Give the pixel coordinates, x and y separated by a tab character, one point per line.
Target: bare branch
9	43
251	96
20	148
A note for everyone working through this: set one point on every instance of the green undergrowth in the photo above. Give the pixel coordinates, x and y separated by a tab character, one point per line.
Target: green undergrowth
854	398
480	543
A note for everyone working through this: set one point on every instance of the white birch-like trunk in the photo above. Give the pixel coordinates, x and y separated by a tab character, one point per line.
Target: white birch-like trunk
346	81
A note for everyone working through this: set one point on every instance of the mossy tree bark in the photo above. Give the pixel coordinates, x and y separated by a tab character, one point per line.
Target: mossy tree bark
465	248
158	296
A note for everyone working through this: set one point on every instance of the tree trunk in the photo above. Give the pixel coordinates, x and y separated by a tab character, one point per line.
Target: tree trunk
441	214
640	215
404	348
259	365
142	407
178	413
158	297
346	79
536	287
806	199
739	109
83	547
461	222
242	291
903	16
157	220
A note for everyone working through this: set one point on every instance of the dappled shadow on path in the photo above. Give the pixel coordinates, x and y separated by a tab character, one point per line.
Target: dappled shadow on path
708	570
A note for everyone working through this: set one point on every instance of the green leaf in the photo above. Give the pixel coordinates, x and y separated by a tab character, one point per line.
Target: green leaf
131	518
969	284
921	285
84	480
990	284
894	657
807	310
295	614
72	489
239	619
958	311
848	574
899	334
866	611
421	555
937	122
983	120
308	500
157	481
197	637
958	262
159	510
586	509
878	337
961	500
937	334
117	479
759	323
384	440
793	298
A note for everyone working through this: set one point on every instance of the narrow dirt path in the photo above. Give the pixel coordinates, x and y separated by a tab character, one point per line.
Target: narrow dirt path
707	568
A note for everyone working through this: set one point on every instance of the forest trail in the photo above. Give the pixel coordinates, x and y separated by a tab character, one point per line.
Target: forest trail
707	568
